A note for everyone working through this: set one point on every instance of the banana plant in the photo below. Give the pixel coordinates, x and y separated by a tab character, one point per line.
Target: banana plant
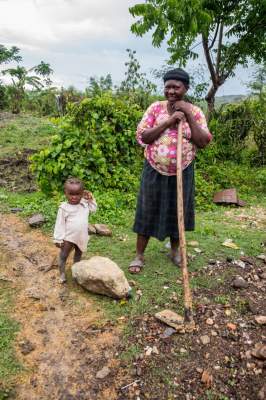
36	77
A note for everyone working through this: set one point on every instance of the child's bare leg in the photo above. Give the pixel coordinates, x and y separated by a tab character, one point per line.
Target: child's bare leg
64	253
77	254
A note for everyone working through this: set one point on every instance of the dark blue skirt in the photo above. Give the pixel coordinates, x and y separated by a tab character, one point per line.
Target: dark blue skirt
156	213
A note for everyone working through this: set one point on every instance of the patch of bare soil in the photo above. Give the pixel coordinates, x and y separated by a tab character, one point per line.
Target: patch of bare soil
217	360
6	116
251	217
63	341
15	174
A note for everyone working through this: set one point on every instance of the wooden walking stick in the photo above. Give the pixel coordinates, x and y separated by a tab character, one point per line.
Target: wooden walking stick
188	317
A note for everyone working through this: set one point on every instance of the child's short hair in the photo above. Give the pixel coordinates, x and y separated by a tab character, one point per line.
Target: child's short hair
74	181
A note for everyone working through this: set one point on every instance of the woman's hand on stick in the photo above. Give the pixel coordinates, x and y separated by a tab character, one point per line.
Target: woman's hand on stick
175	118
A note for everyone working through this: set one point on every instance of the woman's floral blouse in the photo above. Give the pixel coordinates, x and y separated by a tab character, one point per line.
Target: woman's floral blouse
161	154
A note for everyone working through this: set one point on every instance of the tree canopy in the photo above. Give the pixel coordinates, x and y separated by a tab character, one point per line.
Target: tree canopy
230	32
9	54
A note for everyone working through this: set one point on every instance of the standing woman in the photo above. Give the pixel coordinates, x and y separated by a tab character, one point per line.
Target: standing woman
156	213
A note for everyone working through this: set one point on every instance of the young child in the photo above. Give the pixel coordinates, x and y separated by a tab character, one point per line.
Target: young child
71	227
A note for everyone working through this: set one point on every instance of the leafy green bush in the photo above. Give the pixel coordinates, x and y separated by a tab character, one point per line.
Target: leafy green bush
258	128
41	102
260	179
95	142
231	128
240	133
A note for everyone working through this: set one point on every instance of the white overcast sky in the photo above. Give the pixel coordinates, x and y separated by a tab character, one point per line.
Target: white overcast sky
83	38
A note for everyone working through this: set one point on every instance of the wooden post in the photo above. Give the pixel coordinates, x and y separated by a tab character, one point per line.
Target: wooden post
188	317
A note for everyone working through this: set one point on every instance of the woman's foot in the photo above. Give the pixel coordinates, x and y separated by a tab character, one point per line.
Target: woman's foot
175	258
136	265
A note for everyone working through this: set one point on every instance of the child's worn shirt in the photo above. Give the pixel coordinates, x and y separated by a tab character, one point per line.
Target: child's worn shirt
72	223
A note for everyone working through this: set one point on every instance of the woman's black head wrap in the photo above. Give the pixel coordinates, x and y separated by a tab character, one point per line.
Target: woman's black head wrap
177	74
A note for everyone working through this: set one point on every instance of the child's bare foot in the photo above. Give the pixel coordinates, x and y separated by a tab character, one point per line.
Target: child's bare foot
62	278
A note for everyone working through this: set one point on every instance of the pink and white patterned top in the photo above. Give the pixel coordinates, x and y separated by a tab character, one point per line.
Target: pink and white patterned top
161	154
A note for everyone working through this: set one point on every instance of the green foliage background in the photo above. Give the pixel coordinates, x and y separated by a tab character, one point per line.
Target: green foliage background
95	142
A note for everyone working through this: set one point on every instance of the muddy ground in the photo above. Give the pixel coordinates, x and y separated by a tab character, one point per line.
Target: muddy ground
65	339
15	173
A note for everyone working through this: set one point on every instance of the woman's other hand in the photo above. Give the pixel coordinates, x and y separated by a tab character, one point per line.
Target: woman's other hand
183	106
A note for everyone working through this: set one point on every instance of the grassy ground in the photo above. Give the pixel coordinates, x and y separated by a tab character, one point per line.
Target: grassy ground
23	132
246	227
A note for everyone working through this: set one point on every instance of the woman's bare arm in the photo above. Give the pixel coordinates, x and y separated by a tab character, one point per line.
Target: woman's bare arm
151	134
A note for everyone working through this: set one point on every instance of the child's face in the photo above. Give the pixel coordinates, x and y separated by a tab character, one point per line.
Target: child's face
73	193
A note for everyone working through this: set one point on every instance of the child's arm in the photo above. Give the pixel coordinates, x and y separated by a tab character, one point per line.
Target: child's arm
88	196
60	228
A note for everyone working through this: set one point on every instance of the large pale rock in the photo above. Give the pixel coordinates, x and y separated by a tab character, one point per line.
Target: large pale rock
101	275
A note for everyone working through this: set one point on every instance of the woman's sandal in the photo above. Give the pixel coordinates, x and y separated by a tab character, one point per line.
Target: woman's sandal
136	266
176	259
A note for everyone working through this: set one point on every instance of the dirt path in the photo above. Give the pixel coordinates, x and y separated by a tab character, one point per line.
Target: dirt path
62	342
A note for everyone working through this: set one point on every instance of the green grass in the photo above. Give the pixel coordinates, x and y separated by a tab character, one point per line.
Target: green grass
158	280
24	132
9	366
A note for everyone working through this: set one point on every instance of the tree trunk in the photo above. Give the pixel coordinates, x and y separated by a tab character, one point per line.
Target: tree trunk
210	98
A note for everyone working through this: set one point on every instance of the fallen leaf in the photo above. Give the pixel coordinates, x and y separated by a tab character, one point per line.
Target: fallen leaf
193	243
197	250
229	243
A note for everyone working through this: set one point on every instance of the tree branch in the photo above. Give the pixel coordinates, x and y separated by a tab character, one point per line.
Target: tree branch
215	36
208	59
219	49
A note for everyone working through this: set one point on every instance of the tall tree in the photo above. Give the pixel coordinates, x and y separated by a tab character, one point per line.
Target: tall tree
98	86
136	87
231	32
258	84
9	54
22	77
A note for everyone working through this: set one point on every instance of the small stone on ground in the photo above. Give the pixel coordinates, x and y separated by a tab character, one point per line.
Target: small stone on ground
103	373
36	220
